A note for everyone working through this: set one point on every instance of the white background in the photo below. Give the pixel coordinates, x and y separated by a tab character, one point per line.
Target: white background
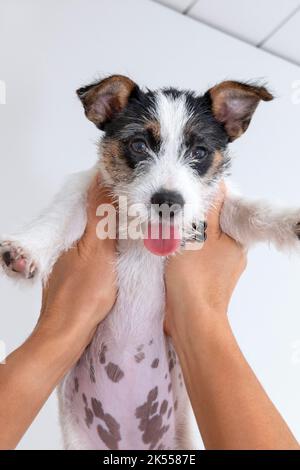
47	50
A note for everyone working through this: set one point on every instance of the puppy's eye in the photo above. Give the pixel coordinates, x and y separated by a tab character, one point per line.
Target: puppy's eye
200	152
138	146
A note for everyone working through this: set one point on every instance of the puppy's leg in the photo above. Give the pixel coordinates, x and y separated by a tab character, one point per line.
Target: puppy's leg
250	222
34	250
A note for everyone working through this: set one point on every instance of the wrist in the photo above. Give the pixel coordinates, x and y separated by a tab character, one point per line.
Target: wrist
202	345
194	325
74	321
65	312
59	343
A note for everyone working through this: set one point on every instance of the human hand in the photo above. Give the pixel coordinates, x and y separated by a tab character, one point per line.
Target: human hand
82	287
78	295
202	281
231	408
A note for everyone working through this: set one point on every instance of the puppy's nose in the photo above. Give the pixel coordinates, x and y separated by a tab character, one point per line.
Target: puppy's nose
173	199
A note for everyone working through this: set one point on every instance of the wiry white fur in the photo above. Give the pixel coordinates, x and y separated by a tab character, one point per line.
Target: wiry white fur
251	222
138	311
55	230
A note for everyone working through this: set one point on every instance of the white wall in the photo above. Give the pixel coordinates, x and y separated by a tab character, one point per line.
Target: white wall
47	50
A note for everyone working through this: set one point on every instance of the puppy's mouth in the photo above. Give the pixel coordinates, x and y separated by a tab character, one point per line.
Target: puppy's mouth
162	239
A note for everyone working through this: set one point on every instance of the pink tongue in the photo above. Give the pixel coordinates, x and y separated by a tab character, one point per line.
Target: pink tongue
162	240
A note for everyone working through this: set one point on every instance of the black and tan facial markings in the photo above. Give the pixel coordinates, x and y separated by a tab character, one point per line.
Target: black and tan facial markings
132	137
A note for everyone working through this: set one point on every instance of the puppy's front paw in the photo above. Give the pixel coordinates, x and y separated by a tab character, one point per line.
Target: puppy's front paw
15	261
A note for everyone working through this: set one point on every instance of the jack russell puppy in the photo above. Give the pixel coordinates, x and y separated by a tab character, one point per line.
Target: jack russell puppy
164	148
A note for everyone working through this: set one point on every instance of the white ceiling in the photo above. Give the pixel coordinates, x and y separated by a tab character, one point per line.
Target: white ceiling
179	5
286	42
273	25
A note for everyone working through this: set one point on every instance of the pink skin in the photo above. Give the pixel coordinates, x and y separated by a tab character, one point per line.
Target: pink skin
120	399
19	265
15	261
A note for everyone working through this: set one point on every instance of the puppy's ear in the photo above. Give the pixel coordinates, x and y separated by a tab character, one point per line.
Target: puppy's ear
233	104
104	99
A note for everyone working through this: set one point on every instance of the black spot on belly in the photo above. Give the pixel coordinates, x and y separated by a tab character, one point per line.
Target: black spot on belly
154	408
92	371
102	353
155	363
114	373
139	357
110	434
97	408
171	364
163	407
76	384
152	425
89	417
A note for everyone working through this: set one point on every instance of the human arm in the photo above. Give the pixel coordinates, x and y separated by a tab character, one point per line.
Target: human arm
78	295
231	407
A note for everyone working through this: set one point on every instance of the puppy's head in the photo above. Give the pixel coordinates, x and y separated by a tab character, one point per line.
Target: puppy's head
165	150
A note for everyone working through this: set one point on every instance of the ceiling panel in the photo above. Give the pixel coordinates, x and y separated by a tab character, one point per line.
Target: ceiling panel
286	42
179	5
251	21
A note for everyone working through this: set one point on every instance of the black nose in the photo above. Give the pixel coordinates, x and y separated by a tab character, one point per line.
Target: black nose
173	199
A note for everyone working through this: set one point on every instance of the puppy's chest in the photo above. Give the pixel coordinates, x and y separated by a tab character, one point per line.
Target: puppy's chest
141	300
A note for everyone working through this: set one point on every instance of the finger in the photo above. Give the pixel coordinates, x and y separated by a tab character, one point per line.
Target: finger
165	328
44	298
97	195
213	215
165	322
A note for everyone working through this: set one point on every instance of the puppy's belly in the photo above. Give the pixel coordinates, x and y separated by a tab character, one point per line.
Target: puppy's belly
127	389
125	397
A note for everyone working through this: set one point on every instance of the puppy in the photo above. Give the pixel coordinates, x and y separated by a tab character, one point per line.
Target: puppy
165	147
